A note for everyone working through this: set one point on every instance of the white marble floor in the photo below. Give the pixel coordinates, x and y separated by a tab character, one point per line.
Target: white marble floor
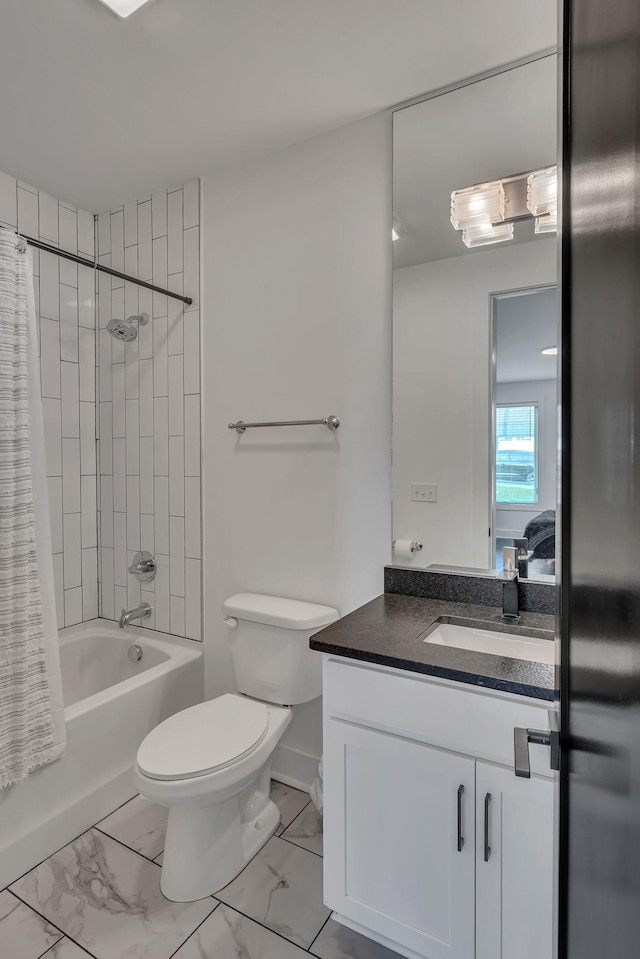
99	898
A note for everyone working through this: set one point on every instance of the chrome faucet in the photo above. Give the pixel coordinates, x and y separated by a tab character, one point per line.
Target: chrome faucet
128	615
509	576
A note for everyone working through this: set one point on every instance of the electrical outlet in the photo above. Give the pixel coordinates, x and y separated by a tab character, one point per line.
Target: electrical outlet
424	493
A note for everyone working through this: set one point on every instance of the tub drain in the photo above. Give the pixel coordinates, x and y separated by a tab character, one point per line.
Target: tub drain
135	653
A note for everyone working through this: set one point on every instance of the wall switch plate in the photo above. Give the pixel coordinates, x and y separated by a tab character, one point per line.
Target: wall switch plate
424	493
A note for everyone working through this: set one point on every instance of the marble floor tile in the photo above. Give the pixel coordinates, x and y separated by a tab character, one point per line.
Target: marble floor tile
289	801
65	949
338	942
306	830
23	934
228	935
107	899
140	824
282	889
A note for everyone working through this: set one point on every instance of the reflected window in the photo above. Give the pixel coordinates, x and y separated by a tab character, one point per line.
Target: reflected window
517	453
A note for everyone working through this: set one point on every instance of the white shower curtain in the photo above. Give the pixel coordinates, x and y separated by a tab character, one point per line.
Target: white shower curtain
31	710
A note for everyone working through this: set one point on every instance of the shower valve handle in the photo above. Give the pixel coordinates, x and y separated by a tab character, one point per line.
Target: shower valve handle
143	566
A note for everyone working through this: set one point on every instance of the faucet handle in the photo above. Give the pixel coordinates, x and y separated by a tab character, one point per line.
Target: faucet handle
509	560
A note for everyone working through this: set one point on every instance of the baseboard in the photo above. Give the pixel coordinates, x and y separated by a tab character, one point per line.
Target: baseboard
294	768
27	851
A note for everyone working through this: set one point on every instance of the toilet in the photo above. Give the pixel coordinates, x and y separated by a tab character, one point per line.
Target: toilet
211	764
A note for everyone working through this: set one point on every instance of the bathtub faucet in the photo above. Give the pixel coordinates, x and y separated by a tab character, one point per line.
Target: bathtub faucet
128	615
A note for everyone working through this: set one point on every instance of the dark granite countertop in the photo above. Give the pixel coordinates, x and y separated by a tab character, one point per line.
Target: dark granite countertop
390	630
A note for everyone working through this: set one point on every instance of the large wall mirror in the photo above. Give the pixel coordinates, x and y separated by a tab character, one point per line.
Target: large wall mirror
475	318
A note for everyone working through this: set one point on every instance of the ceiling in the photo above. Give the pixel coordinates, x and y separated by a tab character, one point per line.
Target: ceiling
99	110
489	130
526	323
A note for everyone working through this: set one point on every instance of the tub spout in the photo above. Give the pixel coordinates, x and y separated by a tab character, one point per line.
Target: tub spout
128	615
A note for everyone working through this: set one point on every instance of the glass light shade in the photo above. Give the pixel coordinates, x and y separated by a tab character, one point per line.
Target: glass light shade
481	204
547	223
483	234
124	8
542	192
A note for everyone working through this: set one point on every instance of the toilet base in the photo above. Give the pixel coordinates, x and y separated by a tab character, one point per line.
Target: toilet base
204	852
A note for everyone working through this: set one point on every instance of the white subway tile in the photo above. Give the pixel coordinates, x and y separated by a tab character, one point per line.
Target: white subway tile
130	223
160	275
104	357
146	397
48	211
120	599
89	512
192	517
192	435
161	436
49	286
133	436
69	323
176	556
68	227
86	297
86	242
50	358
161	592
8	200
148	596
147	537
192	351
27	212
131	269
107	587
87	361
174	232
145	333
159	207
104	295
52	415
146	474
175	324
161	507
54	485
191	200
87	438
193	600
160	358
176	395
58	582
191	266
117	241
119	399
106	510
72	550
73	606
106	438
120	566
133	584
176	476
119	475
176	614
132	371
133	512
70	399
89	584
145	268
70	475
117	312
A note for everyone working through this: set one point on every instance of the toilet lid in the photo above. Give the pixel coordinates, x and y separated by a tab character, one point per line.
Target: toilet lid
203	738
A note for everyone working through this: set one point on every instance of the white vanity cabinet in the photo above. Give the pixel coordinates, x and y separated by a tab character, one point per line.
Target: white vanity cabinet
408	764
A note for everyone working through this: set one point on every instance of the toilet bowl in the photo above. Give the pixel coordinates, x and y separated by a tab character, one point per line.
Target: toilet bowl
211	764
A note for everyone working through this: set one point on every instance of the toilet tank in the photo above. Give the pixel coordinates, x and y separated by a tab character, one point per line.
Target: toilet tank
269	638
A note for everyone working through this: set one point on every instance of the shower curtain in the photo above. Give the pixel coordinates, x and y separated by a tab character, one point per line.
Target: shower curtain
31	710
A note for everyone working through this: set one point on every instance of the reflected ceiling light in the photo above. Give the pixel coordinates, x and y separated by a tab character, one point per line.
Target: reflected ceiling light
482	234
550	351
481	204
542	192
398	228
124	8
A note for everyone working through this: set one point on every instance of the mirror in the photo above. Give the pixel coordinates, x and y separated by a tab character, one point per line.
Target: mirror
474	410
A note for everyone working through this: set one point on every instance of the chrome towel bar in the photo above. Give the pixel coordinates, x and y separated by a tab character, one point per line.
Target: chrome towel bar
331	422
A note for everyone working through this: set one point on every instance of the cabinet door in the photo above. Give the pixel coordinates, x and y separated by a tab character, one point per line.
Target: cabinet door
514	888
399	839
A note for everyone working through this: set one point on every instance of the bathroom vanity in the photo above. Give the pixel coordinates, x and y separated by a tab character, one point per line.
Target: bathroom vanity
433	846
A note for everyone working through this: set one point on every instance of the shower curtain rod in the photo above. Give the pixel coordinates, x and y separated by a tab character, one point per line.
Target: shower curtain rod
49	248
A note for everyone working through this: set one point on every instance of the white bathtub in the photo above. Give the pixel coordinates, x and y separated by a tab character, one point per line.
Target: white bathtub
111	703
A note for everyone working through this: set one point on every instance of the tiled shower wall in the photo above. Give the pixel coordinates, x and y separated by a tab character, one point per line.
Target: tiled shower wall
149	411
64	294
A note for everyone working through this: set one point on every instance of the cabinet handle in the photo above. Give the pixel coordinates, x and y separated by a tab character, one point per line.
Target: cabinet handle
487	847
460	836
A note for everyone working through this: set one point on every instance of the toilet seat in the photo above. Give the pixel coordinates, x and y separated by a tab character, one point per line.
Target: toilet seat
203	738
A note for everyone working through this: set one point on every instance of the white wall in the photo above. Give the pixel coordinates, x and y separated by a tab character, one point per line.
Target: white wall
441	394
512	521
297	291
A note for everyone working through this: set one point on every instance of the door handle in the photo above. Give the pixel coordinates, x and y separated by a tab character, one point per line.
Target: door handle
460	836
521	739
487	847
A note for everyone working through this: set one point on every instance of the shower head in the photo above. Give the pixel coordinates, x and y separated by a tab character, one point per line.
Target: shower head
124	329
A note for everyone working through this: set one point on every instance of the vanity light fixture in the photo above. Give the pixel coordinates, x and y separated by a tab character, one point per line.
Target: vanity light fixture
550	351
482	234
480	205
124	8
547	223
542	192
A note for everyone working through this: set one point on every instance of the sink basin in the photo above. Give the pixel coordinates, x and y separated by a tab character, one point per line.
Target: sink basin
489	641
